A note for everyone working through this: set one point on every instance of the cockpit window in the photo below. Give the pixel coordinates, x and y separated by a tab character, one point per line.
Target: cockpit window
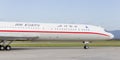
105	30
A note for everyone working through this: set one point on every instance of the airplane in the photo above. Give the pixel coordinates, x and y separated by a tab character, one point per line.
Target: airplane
11	31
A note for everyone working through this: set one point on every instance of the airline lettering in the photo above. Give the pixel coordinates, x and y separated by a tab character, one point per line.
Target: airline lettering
36	25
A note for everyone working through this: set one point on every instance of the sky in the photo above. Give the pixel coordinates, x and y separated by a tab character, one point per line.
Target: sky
105	13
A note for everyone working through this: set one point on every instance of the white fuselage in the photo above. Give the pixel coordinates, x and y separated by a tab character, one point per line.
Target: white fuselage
42	31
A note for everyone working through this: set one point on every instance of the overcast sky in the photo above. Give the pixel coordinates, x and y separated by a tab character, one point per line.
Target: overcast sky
105	13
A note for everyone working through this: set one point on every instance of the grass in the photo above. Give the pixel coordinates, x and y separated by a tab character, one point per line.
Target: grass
112	43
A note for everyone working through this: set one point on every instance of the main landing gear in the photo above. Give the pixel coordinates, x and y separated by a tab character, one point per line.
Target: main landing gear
4	45
86	44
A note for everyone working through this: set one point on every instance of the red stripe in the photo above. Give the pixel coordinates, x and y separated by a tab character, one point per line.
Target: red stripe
54	32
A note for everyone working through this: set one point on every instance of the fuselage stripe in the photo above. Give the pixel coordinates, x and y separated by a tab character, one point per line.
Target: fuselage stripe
66	32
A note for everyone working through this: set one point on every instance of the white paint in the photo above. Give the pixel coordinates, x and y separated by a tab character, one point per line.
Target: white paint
45	31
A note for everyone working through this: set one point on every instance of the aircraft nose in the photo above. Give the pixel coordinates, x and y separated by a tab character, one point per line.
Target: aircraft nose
111	35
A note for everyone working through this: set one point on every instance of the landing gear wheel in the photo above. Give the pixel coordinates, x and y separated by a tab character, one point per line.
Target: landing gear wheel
1	47
86	47
7	47
86	44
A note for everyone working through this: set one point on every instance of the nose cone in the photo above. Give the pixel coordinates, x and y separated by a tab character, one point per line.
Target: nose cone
111	35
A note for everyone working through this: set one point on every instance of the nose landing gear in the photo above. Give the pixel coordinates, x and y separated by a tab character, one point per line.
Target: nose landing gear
86	46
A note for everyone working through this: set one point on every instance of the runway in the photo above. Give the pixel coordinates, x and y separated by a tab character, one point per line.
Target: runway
61	53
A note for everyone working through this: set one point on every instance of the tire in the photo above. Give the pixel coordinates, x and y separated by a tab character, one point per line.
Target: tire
86	47
1	47
7	47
